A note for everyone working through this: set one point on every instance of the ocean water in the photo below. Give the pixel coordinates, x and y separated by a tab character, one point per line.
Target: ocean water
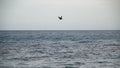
60	49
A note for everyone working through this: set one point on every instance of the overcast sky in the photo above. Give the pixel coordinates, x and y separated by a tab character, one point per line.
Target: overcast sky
77	14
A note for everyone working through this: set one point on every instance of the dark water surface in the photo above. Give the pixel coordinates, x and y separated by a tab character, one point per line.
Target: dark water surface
60	49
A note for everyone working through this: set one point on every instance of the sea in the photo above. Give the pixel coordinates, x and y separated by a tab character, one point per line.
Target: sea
60	49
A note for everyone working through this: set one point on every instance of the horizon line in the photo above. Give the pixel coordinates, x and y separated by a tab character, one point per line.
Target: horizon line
59	30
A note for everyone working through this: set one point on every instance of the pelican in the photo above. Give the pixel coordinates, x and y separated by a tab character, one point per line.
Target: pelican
60	18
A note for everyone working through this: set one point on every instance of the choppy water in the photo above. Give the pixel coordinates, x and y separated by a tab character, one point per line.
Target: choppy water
59	49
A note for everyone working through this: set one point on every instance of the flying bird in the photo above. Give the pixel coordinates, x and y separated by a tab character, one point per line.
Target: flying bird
60	18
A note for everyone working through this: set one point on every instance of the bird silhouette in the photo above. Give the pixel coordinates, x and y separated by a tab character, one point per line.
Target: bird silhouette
60	18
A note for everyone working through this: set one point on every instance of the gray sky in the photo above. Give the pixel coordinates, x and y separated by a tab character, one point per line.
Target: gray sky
77	14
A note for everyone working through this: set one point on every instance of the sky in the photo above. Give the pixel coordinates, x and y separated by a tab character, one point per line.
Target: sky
43	14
